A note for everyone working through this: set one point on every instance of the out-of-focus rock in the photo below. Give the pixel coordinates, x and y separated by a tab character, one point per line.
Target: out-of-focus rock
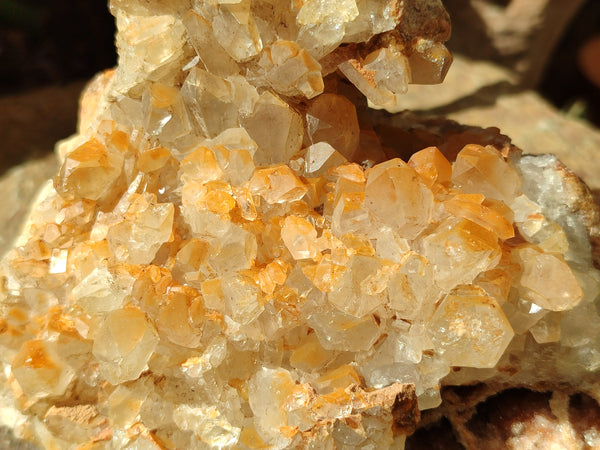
517	34
481	416
589	60
32	122
17	190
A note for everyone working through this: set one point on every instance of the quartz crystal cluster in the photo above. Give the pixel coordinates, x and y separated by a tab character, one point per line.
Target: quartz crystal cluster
230	257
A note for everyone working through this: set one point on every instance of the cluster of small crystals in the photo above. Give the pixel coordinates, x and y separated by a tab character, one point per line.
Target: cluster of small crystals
190	69
183	304
210	270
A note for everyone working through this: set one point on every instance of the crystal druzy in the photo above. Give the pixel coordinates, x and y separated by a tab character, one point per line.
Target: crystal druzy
232	257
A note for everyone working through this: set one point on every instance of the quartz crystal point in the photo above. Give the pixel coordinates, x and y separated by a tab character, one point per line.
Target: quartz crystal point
234	256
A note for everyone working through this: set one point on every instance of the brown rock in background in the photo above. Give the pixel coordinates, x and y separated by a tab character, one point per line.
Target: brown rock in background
518	34
589	60
31	122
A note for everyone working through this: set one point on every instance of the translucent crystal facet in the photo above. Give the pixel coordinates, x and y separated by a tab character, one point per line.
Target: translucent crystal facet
459	251
482	170
89	171
123	344
470	329
39	370
547	280
395	195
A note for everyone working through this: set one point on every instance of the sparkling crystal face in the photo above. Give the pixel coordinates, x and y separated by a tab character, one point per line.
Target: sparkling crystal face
212	268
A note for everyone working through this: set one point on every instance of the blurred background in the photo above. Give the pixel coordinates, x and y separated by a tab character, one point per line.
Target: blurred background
48	50
53	42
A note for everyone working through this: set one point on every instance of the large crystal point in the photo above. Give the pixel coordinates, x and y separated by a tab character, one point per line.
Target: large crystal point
470	329
123	344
